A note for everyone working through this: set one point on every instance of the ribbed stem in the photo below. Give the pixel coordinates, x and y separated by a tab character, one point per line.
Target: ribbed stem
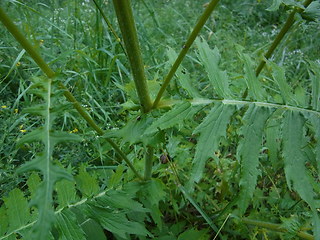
202	20
12	28
130	37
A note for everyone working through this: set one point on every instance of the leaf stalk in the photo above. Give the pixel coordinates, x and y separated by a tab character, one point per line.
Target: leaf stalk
202	20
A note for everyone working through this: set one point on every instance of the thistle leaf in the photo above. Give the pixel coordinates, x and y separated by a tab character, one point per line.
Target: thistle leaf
68	227
183	76
66	192
294	159
170	118
211	130
255	89
116	222
285	90
210	60
87	184
248	152
17	209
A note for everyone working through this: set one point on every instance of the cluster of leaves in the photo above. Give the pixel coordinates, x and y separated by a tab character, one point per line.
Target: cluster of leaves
222	148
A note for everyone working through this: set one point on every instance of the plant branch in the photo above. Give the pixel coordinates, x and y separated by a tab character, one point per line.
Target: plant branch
202	20
12	28
276	228
130	37
280	36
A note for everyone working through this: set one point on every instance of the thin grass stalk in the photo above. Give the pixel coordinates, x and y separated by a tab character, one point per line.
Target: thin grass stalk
130	37
288	24
276	228
202	20
12	28
118	39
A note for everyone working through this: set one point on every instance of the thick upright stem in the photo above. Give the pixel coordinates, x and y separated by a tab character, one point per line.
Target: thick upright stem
202	20
12	28
280	36
131	42
130	37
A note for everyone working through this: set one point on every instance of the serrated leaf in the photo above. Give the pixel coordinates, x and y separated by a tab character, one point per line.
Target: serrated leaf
210	60
285	90
170	118
116	222
211	130
313	10
255	89
116	177
273	137
66	192
68	227
17	209
33	183
119	199
183	76
87	184
294	159
248	152
35	135
315	120
134	132
58	137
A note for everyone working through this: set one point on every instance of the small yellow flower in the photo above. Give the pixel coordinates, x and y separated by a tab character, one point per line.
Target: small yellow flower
4	106
74	130
16	110
18	64
23	130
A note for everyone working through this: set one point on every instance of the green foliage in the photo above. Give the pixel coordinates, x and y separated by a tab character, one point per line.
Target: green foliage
230	142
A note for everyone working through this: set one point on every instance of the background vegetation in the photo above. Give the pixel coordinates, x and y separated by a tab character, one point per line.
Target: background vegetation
235	156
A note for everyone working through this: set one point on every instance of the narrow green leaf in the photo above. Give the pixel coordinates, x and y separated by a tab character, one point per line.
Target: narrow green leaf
273	137
17	209
68	227
119	199
255	89
248	152
183	76
170	118
211	130
35	135
199	209
210	60
294	159
285	90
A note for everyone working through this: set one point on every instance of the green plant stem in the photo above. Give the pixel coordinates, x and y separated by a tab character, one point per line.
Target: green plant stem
131	42
109	25
202	20
148	163
130	37
12	28
288	24
275	227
